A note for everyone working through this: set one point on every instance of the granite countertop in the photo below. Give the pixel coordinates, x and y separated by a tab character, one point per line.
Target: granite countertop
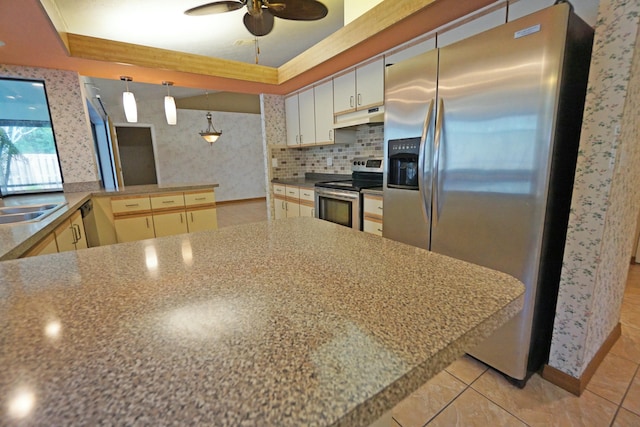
310	179
291	322
16	238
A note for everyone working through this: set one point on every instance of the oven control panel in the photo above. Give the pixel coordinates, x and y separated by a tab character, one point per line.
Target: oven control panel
367	164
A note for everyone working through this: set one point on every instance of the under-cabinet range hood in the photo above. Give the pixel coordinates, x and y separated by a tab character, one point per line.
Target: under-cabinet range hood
372	116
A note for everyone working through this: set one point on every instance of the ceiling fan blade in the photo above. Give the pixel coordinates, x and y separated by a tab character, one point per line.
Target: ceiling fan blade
215	7
301	10
259	25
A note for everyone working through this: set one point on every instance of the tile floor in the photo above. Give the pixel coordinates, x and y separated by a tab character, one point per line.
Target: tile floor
241	212
468	393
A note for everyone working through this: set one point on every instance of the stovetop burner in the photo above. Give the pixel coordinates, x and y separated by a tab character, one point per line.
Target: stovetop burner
366	173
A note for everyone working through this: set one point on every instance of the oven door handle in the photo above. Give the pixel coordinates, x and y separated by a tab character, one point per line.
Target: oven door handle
339	195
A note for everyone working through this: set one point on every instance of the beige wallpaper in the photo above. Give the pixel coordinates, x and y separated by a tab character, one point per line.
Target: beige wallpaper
235	161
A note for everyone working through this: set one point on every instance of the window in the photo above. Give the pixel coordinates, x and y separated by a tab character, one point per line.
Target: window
28	155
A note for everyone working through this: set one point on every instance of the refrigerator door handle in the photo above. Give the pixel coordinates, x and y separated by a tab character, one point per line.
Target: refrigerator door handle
437	140
421	161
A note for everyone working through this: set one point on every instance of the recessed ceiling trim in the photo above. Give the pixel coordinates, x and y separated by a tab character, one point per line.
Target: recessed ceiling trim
144	56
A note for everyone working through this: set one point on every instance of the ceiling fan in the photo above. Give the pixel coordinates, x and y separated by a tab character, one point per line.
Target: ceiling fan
260	13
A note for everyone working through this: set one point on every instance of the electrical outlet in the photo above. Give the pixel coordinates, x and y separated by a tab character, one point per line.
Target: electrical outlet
329	161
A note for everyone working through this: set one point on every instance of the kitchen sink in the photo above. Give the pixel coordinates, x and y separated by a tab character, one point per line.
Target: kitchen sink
25	213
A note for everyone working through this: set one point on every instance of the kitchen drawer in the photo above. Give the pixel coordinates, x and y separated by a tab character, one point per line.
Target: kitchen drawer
372	205
293	192
167	201
279	190
132	204
200	198
307	194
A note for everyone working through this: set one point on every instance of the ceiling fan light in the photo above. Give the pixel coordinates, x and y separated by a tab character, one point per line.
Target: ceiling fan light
130	108
170	110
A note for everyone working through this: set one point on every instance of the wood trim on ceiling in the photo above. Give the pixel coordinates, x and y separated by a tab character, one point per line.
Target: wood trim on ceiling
385	26
144	56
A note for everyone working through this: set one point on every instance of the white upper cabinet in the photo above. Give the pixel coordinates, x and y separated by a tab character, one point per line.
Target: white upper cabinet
344	92
300	118
292	120
306	110
490	18
520	8
370	84
410	51
323	99
360	88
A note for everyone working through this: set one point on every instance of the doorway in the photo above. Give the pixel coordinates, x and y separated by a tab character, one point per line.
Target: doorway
137	157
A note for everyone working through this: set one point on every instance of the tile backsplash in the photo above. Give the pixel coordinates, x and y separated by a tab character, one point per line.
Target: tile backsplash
295	162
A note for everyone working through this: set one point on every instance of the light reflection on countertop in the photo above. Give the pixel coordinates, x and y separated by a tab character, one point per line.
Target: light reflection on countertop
274	322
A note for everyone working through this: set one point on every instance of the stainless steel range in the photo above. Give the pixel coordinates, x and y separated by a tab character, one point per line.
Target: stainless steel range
341	201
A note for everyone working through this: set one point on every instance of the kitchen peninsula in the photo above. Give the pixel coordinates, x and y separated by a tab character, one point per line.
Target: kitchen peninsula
290	322
17	238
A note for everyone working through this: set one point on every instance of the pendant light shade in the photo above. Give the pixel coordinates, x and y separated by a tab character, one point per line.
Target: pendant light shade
129	102
211	135
170	106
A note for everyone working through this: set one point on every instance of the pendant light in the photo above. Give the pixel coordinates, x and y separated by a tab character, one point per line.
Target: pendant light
211	135
170	106
129	102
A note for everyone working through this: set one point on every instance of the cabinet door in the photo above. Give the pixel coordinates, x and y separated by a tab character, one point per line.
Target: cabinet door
78	228
293	201
280	201
323	100
202	219
65	237
307	202
306	109
292	120
170	223
370	84
344	93
48	246
372	226
129	229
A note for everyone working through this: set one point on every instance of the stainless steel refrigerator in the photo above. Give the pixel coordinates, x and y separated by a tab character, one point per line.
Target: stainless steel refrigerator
481	140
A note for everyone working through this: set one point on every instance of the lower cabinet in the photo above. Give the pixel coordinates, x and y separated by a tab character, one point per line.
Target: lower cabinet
163	214
293	201
168	224
372	214
68	236
307	202
201	210
280	201
46	246
132	228
132	218
168	214
202	219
